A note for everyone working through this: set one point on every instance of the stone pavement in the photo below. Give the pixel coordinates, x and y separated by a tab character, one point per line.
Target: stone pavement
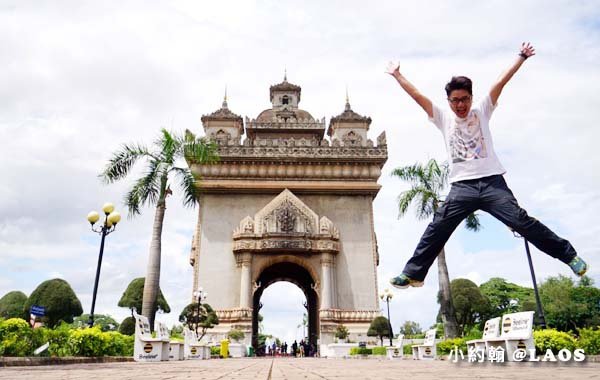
305	369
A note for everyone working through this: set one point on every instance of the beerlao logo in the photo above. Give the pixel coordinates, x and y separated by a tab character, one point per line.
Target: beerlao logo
193	350
521	345
427	351
506	325
148	348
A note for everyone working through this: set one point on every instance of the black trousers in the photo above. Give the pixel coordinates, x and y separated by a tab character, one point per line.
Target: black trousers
490	194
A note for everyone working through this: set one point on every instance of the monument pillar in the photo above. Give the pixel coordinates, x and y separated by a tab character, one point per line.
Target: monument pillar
245	281
327	287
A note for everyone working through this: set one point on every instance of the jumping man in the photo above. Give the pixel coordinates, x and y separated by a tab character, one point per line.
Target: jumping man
475	175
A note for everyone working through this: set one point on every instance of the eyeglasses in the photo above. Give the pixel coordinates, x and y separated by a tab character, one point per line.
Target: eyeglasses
456	101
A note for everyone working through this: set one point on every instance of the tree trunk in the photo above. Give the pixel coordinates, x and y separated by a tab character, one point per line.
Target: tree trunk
446	306
151	284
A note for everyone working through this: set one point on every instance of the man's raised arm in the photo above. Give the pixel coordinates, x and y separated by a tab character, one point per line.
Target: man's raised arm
526	51
394	70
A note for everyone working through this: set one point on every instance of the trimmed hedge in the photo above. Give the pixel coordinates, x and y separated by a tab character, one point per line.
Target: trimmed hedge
553	340
18	339
444	347
361	351
379	351
589	340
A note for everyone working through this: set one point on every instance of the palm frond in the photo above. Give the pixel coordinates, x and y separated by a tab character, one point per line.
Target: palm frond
428	204
145	190
414	174
169	145
188	186
472	222
405	199
121	162
198	150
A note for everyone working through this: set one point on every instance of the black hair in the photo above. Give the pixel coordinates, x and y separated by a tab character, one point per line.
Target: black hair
459	83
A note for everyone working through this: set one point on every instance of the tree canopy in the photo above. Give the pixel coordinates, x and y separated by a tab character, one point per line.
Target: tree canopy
410	328
506	297
105	322
133	295
206	318
11	305
58	298
470	305
380	327
568	306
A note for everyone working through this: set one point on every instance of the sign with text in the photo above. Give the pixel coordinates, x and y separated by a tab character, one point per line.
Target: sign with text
38	311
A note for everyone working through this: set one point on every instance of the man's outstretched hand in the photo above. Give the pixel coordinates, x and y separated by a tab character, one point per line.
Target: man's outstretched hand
527	49
393	68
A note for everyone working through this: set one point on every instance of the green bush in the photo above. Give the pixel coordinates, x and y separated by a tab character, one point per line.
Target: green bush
379	351
127	327
236	335
119	344
18	339
88	342
407	349
361	351
57	337
15	337
341	332
553	340
215	350
444	347
589	340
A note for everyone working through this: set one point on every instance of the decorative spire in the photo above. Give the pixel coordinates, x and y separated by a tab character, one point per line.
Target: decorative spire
348	108
224	106
285	74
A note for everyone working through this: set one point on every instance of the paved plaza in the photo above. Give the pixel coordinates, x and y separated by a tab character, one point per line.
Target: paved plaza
304	369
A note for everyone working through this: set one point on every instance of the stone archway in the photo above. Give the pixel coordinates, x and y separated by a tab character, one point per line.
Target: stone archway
298	275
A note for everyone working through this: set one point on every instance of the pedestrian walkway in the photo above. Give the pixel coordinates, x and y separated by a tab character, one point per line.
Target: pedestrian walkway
304	369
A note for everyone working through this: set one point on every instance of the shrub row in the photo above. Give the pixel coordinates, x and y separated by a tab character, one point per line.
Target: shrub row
588	340
18	339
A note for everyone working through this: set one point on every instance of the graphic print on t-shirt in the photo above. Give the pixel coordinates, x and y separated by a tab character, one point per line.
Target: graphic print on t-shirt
466	140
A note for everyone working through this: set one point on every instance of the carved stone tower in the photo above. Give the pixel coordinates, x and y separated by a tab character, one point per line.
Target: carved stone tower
285	204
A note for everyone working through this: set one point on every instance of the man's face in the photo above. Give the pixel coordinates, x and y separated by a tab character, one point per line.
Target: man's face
460	102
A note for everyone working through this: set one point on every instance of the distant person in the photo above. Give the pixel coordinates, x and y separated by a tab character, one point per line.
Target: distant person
476	175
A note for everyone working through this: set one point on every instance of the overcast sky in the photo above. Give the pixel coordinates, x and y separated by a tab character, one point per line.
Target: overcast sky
79	78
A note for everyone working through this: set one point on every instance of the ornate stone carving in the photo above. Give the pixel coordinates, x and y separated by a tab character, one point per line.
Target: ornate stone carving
305	220
352	139
326	228
286	219
246	226
348	316
286	223
316	286
234	315
381	140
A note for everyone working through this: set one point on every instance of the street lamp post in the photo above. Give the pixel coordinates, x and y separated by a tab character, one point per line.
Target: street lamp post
387	296
199	295
111	218
538	302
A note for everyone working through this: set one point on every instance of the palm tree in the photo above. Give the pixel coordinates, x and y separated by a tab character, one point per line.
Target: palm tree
427	182
154	187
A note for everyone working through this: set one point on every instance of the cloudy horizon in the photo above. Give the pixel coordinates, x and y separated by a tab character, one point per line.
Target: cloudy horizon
81	78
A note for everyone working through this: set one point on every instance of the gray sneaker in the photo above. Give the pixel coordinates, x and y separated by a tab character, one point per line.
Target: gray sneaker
578	266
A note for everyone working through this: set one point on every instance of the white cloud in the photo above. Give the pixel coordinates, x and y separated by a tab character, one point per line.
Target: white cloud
81	79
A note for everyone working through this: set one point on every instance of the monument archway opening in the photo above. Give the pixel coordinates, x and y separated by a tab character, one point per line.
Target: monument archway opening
299	276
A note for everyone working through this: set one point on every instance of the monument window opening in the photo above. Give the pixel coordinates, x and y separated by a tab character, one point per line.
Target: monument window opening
285	100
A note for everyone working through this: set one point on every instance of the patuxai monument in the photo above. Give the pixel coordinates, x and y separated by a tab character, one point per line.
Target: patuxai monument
291	199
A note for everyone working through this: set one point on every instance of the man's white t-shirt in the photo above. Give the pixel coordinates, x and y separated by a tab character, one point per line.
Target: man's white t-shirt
469	142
